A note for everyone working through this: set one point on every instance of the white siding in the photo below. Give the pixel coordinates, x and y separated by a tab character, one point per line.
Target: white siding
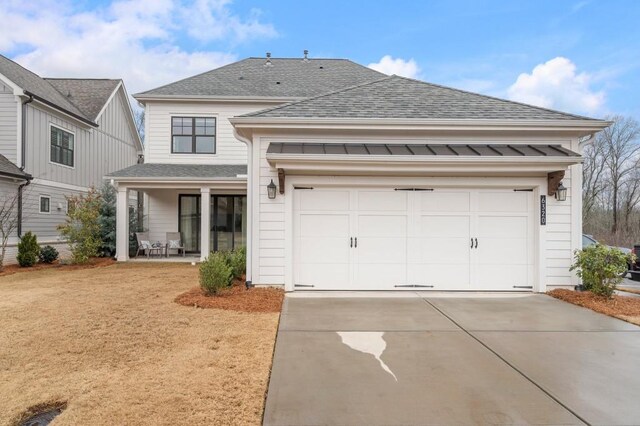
269	215
8	123
163	212
228	149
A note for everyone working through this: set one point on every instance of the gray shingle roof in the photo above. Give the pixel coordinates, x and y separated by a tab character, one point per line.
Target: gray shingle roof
181	171
7	168
286	77
400	97
88	95
468	150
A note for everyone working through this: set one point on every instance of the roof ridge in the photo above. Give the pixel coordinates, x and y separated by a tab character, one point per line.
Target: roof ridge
81	78
583	117
344	89
189	77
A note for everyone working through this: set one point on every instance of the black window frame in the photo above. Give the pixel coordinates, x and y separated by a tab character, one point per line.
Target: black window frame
194	136
52	144
44	197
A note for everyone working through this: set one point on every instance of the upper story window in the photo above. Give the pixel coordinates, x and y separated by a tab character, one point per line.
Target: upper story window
193	135
62	146
45	204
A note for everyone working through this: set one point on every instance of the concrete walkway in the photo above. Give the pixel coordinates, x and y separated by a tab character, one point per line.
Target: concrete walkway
438	360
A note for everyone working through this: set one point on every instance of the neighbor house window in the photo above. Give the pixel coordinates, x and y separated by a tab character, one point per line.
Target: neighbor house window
45	204
62	146
193	135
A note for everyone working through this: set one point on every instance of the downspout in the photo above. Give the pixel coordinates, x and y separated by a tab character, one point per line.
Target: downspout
250	241
23	149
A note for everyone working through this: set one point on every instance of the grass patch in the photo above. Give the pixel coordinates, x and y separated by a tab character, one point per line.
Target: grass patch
96	262
621	307
112	343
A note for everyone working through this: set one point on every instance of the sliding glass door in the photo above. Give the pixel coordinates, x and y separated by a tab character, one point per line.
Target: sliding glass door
189	222
228	221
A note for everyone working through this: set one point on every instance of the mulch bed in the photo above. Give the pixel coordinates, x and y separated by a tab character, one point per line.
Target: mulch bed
235	298
96	262
621	307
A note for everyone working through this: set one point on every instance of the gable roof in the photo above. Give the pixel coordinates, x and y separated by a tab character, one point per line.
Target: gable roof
284	78
7	168
88	95
165	171
404	98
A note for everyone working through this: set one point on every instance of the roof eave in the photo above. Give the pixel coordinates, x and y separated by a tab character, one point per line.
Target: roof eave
586	126
62	110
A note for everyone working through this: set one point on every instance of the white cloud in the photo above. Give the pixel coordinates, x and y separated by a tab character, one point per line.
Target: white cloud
555	84
137	40
398	66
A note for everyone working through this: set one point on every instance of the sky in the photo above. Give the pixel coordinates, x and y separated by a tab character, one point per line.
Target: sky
578	56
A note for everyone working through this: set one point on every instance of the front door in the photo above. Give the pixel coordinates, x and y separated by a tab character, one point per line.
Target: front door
189	221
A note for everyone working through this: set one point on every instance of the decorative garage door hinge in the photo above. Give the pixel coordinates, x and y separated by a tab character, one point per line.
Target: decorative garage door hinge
304	285
303	187
413	285
523	286
413	189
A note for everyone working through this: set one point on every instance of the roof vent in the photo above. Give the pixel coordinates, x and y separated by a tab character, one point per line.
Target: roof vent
268	63
68	93
306	54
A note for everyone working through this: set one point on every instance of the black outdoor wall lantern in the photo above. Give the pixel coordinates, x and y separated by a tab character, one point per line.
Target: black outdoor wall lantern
271	190
561	192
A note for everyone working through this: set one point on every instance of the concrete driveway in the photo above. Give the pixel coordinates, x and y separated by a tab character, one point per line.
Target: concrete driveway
526	359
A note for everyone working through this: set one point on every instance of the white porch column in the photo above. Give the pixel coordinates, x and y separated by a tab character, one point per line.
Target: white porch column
122	224
205	222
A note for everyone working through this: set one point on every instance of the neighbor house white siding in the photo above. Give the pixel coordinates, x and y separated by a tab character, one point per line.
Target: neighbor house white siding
228	149
8	123
561	234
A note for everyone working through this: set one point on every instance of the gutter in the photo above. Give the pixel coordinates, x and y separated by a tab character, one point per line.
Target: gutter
52	105
20	190
23	147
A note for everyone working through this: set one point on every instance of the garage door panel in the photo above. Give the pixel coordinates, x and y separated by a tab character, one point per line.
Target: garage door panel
323	200
443	201
502	277
502	251
382	250
382	226
322	277
440	276
323	251
443	250
444	226
379	201
503	201
502	227
380	276
324	225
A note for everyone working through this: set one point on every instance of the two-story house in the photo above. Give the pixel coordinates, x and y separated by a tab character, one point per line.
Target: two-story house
337	177
59	137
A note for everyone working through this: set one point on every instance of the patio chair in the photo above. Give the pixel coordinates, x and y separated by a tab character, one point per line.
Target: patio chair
174	242
144	245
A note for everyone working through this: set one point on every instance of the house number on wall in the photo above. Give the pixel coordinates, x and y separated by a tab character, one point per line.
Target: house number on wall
543	210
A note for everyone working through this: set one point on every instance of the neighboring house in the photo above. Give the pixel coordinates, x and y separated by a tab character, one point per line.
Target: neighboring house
62	136
384	184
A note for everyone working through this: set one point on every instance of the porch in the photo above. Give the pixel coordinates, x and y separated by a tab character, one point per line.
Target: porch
206	204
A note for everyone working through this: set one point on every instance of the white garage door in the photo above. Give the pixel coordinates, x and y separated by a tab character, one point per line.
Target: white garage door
387	239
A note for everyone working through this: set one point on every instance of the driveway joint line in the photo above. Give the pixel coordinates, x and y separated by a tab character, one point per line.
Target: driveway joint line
509	364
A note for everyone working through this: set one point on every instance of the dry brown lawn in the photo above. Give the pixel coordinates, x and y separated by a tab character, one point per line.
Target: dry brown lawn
112	343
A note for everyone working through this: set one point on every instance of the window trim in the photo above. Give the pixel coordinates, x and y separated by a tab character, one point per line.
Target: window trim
40	203
74	146
193	135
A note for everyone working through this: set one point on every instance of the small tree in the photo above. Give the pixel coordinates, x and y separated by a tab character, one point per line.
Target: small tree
28	250
8	221
82	226
108	198
215	273
601	268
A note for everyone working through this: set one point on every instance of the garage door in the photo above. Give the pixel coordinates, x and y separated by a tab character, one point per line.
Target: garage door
394	239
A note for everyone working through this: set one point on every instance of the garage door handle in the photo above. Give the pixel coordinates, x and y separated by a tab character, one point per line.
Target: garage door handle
356	242
471	242
351	242
476	243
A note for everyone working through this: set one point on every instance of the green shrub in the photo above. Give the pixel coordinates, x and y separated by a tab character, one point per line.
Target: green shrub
28	250
238	261
215	273
48	254
82	226
601	268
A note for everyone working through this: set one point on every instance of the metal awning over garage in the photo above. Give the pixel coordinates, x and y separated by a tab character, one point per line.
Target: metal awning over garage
351	158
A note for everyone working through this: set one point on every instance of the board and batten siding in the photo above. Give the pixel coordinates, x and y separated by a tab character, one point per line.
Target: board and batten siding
8	123
563	228
97	153
229	150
